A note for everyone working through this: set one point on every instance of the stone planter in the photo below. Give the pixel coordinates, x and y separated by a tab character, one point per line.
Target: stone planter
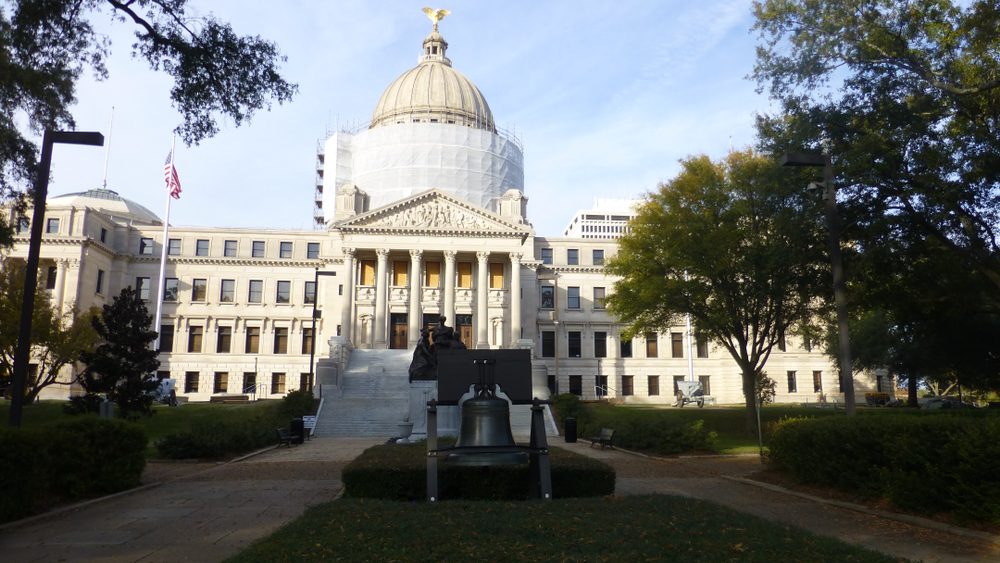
404	429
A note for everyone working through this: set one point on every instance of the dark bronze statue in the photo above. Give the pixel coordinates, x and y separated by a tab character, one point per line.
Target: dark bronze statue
423	367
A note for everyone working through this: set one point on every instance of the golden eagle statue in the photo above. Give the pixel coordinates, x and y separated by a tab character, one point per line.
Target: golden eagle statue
436	15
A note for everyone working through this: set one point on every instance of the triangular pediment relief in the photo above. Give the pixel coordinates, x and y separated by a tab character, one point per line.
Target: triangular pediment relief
432	211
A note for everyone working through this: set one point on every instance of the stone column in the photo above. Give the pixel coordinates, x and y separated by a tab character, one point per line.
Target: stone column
57	300
414	316
347	301
482	296
515	298
380	298
449	286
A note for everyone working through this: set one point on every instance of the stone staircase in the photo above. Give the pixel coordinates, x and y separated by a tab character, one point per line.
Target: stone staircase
375	396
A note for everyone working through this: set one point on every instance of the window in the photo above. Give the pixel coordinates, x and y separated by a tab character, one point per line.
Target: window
572	256
307	340
576	385
546	256
367	273
625	348
280	340
601	386
257	249
600	344
161	375
146	246
285	249
677	344
221	383
199	289
706	384
817	382
169	290
52	226
249	382
252	345
304	380
653	382
284	292
229	248
309	293
627	385
277	383
573	343
312	250
572	297
792	387
651	350
24	225
465	274
256	293
807	343
598	298
548	297
194	338
174	247
598	257
50	277
225	340
432	274
191	381
100	281
677	379
142	287
496	275
399	271
104	235
548	344
201	247
227	291
166	338
702	345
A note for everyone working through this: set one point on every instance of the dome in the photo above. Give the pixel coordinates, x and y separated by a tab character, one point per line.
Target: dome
107	201
433	92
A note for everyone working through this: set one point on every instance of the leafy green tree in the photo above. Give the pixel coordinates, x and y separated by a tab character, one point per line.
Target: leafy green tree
737	245
46	46
123	365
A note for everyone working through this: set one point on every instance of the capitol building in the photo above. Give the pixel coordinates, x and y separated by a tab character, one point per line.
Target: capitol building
424	212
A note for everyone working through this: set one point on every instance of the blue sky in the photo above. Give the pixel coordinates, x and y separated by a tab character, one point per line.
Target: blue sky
605	96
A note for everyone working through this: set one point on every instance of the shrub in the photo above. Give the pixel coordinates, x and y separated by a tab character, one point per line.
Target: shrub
566	405
927	463
83	404
398	472
24	465
219	440
646	430
297	404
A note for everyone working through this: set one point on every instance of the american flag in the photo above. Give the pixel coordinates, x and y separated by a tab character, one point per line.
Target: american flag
170	175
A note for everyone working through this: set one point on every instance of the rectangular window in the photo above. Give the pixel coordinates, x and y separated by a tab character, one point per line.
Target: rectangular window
284	292
257	249
304	380
307	340
52	226
221	383
174	247
496	275
285	249
312	250
817	382
677	344
598	257
50	277
227	291
572	297
161	375
576	385
256	293
548	344
546	256
309	293
627	386
601	386
792	387
807	343
194	338
199	289
573	343
224	342
653	383
367	272
142	287
677	379
24	225
201	247
249	382
651	345
465	274
598	298
280	340
706	384
625	347
432	274
100	281
166	338
104	234
702	345
146	246
277	383
572	256
399	271
600	344
229	248
191	381
253	340
548	297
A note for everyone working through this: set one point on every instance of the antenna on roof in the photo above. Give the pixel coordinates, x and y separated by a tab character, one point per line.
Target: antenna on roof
107	149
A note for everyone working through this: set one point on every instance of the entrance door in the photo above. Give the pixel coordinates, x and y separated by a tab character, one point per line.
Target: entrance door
398	334
463	324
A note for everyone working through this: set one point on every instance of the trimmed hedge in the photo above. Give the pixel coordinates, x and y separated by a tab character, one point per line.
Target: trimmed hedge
399	472
70	460
931	463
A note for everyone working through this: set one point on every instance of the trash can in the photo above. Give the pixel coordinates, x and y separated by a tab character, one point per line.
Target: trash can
569	426
298	430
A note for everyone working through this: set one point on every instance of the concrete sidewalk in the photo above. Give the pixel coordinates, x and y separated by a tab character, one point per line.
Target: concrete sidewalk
206	516
715	479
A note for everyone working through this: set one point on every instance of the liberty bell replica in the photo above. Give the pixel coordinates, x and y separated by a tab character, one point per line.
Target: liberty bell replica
485	425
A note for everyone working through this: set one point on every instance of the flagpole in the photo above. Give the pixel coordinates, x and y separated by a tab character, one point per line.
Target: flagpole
163	256
107	148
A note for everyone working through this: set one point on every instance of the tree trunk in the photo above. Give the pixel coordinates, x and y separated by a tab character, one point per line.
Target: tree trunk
749	392
911	390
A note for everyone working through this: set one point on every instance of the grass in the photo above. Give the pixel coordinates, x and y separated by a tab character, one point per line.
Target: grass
640	528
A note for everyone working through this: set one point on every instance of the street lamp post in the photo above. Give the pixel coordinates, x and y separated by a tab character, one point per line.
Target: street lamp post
23	350
315	315
837	264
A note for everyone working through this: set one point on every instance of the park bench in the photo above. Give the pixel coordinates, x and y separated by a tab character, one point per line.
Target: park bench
285	437
603	439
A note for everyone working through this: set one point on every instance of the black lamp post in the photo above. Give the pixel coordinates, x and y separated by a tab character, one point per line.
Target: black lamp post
23	350
837	264
315	315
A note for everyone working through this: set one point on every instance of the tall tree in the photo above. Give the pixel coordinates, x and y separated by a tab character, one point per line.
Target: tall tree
123	366
736	244
45	46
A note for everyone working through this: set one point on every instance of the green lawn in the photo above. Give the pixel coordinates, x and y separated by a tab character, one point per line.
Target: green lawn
642	528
